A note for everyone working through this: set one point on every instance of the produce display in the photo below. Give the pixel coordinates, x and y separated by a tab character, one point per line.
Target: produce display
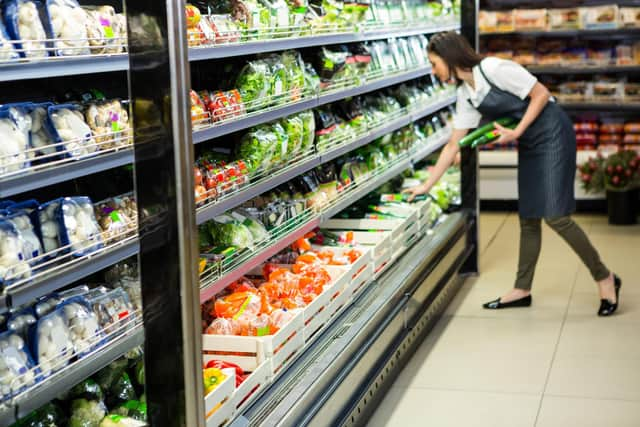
113	397
210	22
36	133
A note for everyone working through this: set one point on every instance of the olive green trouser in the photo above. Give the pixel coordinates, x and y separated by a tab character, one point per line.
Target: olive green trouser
531	240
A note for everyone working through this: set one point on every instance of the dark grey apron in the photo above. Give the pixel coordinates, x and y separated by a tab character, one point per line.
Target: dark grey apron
546	154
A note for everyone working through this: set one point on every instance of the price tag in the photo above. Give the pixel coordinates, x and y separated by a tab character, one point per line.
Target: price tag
115	216
262	331
108	29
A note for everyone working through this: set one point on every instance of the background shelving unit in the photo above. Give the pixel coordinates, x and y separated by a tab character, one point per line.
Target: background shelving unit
498	168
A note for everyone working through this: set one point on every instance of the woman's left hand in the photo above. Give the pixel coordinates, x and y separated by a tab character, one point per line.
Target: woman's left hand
506	135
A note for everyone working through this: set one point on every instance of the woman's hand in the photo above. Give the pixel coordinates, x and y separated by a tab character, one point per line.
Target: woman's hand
506	135
416	191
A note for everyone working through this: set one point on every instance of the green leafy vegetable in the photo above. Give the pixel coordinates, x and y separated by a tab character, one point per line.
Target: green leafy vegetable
86	413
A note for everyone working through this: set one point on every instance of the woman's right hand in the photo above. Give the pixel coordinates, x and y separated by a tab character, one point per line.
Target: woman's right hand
416	191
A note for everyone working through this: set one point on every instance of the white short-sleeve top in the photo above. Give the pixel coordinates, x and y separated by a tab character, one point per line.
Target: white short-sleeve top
506	75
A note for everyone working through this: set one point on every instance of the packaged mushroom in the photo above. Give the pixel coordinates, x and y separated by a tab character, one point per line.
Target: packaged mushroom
69	223
8	51
14	144
51	343
12	264
17	370
104	30
46	304
109	121
84	330
21	320
68	25
70	131
42	142
19	216
116	216
25	20
110	306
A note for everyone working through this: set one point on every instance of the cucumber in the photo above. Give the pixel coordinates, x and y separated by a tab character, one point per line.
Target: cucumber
490	136
468	140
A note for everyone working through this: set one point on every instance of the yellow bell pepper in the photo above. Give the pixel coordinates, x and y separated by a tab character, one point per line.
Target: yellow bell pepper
202	264
213	377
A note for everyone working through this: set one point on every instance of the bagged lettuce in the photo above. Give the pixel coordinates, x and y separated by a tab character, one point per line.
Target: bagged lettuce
257	148
254	83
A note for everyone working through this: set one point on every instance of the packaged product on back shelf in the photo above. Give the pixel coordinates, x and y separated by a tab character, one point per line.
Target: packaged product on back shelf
530	19
564	19
496	21
606	90
600	17
116	216
630	17
105	30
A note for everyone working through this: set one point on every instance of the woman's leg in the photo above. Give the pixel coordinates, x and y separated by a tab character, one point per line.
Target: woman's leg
579	242
530	243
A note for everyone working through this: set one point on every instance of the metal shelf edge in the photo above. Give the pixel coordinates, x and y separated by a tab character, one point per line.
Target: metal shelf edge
211	290
82	369
242	196
30	291
30	181
417	115
63	67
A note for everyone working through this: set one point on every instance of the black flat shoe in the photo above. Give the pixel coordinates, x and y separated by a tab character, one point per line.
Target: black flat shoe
497	305
607	308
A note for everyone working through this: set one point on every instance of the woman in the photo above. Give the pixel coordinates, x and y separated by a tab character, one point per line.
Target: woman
493	88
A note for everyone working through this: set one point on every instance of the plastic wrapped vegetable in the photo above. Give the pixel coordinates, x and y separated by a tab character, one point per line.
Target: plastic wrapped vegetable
311	78
8	51
71	131
102	26
24	21
308	130
12	264
254	84
14	146
51	344
86	413
109	122
110	308
69	27
87	389
227	232
41	139
108	376
294	66
49	415
132	409
115	420
16	365
84	330
120	391
293	127
278	80
330	63
257	148
21	320
257	229
20	218
282	147
116	215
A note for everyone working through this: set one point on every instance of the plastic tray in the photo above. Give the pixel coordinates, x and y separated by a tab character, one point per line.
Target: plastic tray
221	395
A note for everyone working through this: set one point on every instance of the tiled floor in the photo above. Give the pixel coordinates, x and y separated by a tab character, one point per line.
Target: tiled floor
553	364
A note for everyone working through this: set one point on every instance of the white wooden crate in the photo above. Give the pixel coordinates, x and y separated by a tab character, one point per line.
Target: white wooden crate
361	281
365	258
338	296
251	386
316	314
221	395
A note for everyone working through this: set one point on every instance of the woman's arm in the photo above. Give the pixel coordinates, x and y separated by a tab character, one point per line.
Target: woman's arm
539	97
446	159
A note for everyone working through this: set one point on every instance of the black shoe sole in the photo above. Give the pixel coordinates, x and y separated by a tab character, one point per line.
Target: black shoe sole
497	305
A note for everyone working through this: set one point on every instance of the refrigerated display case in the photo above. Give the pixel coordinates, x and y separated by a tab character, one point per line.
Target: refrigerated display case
139	177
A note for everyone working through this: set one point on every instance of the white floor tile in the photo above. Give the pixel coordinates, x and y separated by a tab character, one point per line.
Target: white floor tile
563	412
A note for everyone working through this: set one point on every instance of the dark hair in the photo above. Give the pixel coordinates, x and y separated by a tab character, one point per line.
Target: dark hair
454	50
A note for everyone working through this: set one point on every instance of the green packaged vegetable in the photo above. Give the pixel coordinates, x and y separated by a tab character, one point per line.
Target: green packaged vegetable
308	130
278	80
311	78
293	127
140	373
227	232
254	84
87	413
257	148
111	373
282	145
132	409
294	65
87	389
120	392
115	420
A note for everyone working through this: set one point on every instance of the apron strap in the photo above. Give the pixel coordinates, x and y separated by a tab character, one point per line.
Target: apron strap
485	76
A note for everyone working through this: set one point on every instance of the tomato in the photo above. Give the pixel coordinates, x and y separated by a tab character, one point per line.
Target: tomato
197	175
201	194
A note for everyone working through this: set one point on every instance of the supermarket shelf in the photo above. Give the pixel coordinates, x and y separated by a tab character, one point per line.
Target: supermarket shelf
609	32
24	293
374	85
20	183
601	106
430	148
582	69
277	178
273	45
209	212
58	67
253	120
64	380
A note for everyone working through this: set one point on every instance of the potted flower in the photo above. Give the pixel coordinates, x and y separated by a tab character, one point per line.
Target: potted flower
619	175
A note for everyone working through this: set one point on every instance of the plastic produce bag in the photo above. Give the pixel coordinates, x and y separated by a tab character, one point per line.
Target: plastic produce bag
102	29
24	20
294	129
87	389
110	308
8	51
87	413
294	66
84	330
51	344
20	321
12	264
254	84
69	27
120	391
31	245
16	365
115	420
47	416
278	79
69	128
280	152
257	229
40	138
308	130
257	148
330	63
107	376
14	144
109	122
228	232
116	216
